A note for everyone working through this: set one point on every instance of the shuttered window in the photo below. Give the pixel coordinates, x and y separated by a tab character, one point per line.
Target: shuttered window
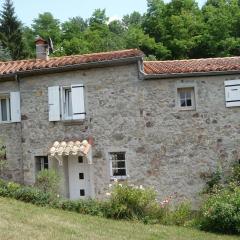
66	103
10	107
232	93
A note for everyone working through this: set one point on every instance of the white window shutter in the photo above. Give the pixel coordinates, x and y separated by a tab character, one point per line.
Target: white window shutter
54	104
15	106
78	106
232	93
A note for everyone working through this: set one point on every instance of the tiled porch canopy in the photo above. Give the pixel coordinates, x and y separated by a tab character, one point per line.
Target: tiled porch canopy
75	148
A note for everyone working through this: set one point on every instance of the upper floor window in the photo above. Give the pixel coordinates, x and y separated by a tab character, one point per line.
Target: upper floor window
10	107
186	98
118	164
232	93
66	103
5	115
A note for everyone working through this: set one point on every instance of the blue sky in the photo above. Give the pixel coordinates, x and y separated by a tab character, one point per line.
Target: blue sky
27	10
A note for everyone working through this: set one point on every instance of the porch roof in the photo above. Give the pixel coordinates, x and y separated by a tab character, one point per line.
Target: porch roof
66	148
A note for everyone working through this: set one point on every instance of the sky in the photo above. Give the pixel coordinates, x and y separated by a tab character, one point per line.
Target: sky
27	10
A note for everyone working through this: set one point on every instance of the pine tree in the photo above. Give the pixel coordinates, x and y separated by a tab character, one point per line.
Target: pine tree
11	31
4	54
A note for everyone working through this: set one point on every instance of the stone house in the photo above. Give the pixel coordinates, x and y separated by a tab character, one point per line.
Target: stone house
96	117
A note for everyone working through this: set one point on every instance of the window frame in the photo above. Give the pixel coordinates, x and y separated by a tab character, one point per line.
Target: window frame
8	107
120	177
191	89
40	160
64	101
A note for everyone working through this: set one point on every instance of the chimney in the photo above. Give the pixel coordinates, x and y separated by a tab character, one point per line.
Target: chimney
42	48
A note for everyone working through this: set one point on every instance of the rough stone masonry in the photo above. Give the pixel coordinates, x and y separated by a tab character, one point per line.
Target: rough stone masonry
172	150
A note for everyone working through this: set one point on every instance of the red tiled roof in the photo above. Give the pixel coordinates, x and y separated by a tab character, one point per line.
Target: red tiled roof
192	65
56	62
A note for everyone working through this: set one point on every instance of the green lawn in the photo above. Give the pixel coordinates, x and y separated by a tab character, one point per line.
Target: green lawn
23	221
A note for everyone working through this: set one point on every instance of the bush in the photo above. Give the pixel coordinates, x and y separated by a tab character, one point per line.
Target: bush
179	216
48	181
132	202
221	211
90	207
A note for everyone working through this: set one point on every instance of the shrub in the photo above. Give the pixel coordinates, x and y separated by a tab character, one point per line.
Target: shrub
132	202
221	211
48	181
179	216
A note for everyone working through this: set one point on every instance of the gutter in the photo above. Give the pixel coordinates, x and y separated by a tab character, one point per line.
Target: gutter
145	76
99	64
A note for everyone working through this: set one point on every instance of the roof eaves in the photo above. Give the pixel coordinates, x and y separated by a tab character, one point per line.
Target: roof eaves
97	64
190	74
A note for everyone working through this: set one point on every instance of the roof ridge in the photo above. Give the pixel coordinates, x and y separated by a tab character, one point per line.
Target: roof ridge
69	56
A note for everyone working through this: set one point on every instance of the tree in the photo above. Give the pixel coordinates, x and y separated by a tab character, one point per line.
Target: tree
74	27
47	26
11	31
222	20
4	55
134	18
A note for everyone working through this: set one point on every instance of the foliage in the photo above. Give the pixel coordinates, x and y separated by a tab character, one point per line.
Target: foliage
221	211
214	181
24	193
48	181
173	29
11	31
4	54
180	216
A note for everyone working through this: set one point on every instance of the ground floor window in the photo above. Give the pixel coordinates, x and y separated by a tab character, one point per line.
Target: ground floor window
41	163
118	164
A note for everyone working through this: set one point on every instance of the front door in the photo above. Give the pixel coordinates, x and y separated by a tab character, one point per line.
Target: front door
79	177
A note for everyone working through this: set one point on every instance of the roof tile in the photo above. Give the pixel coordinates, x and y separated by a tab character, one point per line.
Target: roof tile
33	64
192	65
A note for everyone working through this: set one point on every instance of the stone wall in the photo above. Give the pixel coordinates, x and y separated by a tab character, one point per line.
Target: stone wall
174	151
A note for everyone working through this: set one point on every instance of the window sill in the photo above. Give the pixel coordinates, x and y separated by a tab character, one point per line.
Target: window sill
119	178
73	122
186	108
5	122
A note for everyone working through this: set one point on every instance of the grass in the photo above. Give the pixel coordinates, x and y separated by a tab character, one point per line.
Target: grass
23	221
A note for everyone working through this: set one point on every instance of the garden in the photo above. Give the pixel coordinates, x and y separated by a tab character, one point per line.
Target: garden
219	213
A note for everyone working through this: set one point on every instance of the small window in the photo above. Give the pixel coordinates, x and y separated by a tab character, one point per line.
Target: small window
118	164
186	98
41	163
5	109
82	192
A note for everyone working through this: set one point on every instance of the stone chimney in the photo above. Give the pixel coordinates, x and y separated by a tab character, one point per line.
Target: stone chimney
42	48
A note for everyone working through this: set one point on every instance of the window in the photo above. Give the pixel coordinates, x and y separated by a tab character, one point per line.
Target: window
232	93
118	164
41	163
5	112
10	107
186	98
66	103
